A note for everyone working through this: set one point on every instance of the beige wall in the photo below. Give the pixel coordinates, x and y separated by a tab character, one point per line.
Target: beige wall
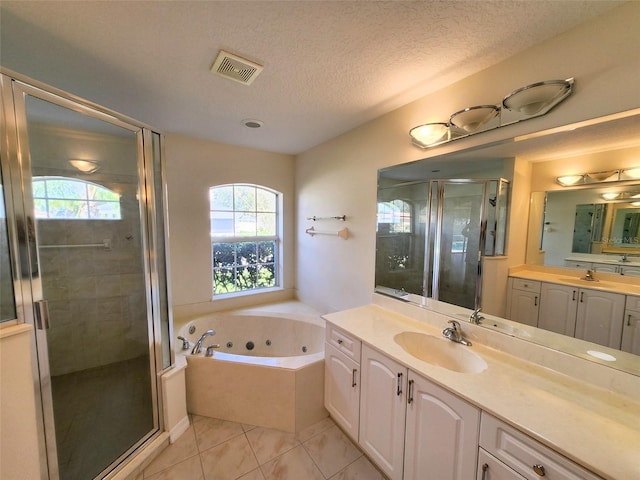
339	176
19	450
192	167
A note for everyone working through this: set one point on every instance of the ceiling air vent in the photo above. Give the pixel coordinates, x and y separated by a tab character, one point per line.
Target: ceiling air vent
236	68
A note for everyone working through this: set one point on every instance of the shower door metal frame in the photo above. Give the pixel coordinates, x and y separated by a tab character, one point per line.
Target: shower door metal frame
22	235
432	279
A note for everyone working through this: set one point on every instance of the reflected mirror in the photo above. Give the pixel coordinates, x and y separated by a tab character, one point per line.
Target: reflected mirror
565	223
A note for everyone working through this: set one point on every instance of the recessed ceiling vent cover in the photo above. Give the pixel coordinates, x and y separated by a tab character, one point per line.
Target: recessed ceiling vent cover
236	68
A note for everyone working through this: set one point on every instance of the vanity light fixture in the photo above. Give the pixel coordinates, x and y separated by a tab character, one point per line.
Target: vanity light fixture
610	195
471	119
522	104
538	97
631	174
635	204
570	180
600	177
85	166
430	134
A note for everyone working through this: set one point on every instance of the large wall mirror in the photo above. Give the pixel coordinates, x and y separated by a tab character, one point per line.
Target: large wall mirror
597	220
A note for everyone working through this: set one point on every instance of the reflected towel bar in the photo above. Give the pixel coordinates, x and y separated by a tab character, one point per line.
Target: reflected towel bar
106	244
344	233
337	217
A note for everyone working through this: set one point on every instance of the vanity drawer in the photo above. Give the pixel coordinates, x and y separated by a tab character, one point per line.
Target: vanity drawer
527	285
578	265
344	342
633	303
529	458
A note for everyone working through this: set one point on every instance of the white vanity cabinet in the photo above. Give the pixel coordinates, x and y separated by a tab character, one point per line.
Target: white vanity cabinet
631	326
510	455
585	313
600	316
382	411
558	308
441	434
342	379
524	301
630	271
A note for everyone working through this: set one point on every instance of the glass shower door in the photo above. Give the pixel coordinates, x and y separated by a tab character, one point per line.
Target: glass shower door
84	179
456	241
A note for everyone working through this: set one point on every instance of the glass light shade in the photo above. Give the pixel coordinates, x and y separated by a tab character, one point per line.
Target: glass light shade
635	204
85	166
631	173
611	175
472	119
429	134
537	97
568	180
610	195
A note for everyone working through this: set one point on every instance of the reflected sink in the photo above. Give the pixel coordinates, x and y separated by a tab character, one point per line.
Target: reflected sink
509	329
440	352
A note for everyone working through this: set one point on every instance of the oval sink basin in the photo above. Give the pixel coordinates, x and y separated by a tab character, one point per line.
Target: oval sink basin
440	352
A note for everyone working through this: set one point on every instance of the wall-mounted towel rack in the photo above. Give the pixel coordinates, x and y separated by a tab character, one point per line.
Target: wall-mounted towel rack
337	217
344	233
106	244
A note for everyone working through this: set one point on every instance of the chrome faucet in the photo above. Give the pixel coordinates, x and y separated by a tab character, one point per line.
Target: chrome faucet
475	316
624	258
454	333
197	348
185	343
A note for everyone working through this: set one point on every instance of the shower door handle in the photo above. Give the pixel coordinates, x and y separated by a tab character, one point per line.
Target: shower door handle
42	314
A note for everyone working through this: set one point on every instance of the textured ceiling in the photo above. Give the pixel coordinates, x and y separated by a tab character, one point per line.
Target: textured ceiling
328	66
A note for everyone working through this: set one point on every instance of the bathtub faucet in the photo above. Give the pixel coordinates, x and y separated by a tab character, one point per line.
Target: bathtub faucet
197	348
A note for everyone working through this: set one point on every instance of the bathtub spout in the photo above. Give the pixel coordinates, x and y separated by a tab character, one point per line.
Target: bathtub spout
197	348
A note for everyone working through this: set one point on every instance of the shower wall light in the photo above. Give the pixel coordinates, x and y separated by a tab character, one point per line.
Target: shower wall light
522	104
618	175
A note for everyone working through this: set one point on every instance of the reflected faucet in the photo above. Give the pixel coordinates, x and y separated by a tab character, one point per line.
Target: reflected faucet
624	258
197	348
454	333
589	276
475	316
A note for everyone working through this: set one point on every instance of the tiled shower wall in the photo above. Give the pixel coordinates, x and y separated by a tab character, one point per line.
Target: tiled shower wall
97	301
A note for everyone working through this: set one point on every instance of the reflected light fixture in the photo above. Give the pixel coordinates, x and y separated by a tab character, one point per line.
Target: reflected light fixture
85	166
610	195
569	180
635	204
631	173
429	134
471	119
611	175
538	97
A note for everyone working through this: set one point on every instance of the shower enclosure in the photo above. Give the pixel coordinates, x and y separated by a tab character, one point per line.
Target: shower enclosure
467	221
85	264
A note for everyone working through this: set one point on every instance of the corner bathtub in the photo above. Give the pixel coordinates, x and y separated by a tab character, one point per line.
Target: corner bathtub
267	371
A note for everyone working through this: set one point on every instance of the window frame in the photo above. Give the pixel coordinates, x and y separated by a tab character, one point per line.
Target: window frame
238	239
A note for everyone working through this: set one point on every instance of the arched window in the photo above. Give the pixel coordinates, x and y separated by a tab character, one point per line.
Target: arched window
394	216
245	237
70	198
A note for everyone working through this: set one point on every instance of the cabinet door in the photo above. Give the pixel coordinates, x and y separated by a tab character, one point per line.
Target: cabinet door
600	317
605	268
631	271
342	389
490	468
382	411
558	306
631	332
442	433
524	307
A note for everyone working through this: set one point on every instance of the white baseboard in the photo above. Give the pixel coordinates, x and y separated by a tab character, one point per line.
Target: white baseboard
180	427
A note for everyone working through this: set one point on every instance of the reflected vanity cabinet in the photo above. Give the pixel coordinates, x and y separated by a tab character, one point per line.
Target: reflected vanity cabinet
342	379
631	325
632	271
588	314
523	301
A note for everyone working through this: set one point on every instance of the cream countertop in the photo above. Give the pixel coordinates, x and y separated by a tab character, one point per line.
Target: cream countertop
593	426
609	282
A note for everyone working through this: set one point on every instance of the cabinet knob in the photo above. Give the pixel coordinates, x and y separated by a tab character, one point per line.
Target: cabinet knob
339	341
539	469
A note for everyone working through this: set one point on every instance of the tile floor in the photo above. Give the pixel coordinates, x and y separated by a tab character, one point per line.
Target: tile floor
215	449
